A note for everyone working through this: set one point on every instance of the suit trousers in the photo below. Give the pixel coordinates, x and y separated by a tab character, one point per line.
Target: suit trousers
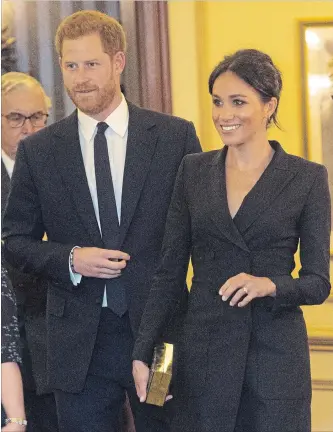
97	408
41	412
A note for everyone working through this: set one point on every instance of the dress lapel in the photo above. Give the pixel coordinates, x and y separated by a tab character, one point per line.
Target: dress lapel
220	215
141	143
272	182
69	160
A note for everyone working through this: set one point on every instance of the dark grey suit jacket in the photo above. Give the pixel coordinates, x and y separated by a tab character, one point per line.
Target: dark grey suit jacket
50	194
265	341
31	307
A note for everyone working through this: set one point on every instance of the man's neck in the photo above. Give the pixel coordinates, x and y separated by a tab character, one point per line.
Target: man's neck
3	151
109	110
8	162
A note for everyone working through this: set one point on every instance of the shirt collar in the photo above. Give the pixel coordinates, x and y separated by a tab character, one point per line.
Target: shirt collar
117	121
8	162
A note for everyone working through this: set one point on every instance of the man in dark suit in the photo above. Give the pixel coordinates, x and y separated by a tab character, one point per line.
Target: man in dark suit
99	184
25	109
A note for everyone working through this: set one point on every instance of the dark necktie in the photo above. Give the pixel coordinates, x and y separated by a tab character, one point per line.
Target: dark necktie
108	217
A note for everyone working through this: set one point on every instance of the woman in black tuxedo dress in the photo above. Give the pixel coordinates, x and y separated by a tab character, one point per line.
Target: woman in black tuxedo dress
240	213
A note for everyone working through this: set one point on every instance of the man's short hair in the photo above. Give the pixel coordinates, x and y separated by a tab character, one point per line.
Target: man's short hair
84	23
15	80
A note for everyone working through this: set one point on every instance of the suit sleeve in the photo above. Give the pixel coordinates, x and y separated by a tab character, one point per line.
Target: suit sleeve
169	280
23	228
192	141
313	284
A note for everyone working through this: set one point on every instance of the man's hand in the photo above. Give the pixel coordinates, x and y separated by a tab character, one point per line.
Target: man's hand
99	263
141	376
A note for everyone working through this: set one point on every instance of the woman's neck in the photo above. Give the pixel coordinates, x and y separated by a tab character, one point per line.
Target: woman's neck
251	156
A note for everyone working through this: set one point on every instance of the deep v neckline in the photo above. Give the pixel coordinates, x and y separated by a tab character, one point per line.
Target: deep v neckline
272	182
251	192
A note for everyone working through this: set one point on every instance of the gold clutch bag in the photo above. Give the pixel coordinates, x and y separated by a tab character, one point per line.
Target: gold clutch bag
160	374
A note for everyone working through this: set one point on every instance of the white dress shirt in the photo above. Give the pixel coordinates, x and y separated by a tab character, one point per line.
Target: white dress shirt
116	137
8	162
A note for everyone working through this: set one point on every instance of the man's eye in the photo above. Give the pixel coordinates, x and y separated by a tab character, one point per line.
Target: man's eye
15	116
71	66
37	116
92	64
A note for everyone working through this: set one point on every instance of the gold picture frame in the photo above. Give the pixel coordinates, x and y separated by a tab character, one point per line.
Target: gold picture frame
317	94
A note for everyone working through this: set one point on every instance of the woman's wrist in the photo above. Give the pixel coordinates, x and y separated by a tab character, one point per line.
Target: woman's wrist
22	421
272	288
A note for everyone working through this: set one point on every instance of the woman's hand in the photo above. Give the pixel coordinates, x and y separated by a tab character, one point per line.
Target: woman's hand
141	376
13	427
243	288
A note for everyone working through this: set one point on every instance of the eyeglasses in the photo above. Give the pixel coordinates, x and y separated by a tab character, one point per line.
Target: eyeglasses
17	120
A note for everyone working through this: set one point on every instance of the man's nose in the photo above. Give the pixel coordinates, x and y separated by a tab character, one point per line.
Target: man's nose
28	127
81	76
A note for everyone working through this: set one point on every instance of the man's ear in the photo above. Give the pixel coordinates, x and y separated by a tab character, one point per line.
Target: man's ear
119	61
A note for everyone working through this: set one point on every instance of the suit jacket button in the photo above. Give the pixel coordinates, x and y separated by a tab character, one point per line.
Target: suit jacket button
98	300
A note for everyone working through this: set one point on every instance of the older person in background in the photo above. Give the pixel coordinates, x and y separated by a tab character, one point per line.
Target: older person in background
25	108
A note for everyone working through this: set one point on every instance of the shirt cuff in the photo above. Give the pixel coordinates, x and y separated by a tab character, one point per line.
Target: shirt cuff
75	277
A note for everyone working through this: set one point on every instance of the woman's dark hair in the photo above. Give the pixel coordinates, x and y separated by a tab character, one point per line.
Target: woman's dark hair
256	69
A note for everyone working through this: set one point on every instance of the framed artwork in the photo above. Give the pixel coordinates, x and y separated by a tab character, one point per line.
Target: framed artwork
317	94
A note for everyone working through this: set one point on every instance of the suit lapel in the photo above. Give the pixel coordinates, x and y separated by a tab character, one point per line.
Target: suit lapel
272	182
5	179
220	215
69	160
141	143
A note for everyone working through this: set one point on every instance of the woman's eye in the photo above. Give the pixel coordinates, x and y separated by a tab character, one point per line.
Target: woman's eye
217	102
238	102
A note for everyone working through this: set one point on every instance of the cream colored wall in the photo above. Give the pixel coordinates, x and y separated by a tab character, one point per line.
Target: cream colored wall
201	33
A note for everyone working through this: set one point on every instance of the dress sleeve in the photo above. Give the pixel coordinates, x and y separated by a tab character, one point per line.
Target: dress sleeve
169	280
313	285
